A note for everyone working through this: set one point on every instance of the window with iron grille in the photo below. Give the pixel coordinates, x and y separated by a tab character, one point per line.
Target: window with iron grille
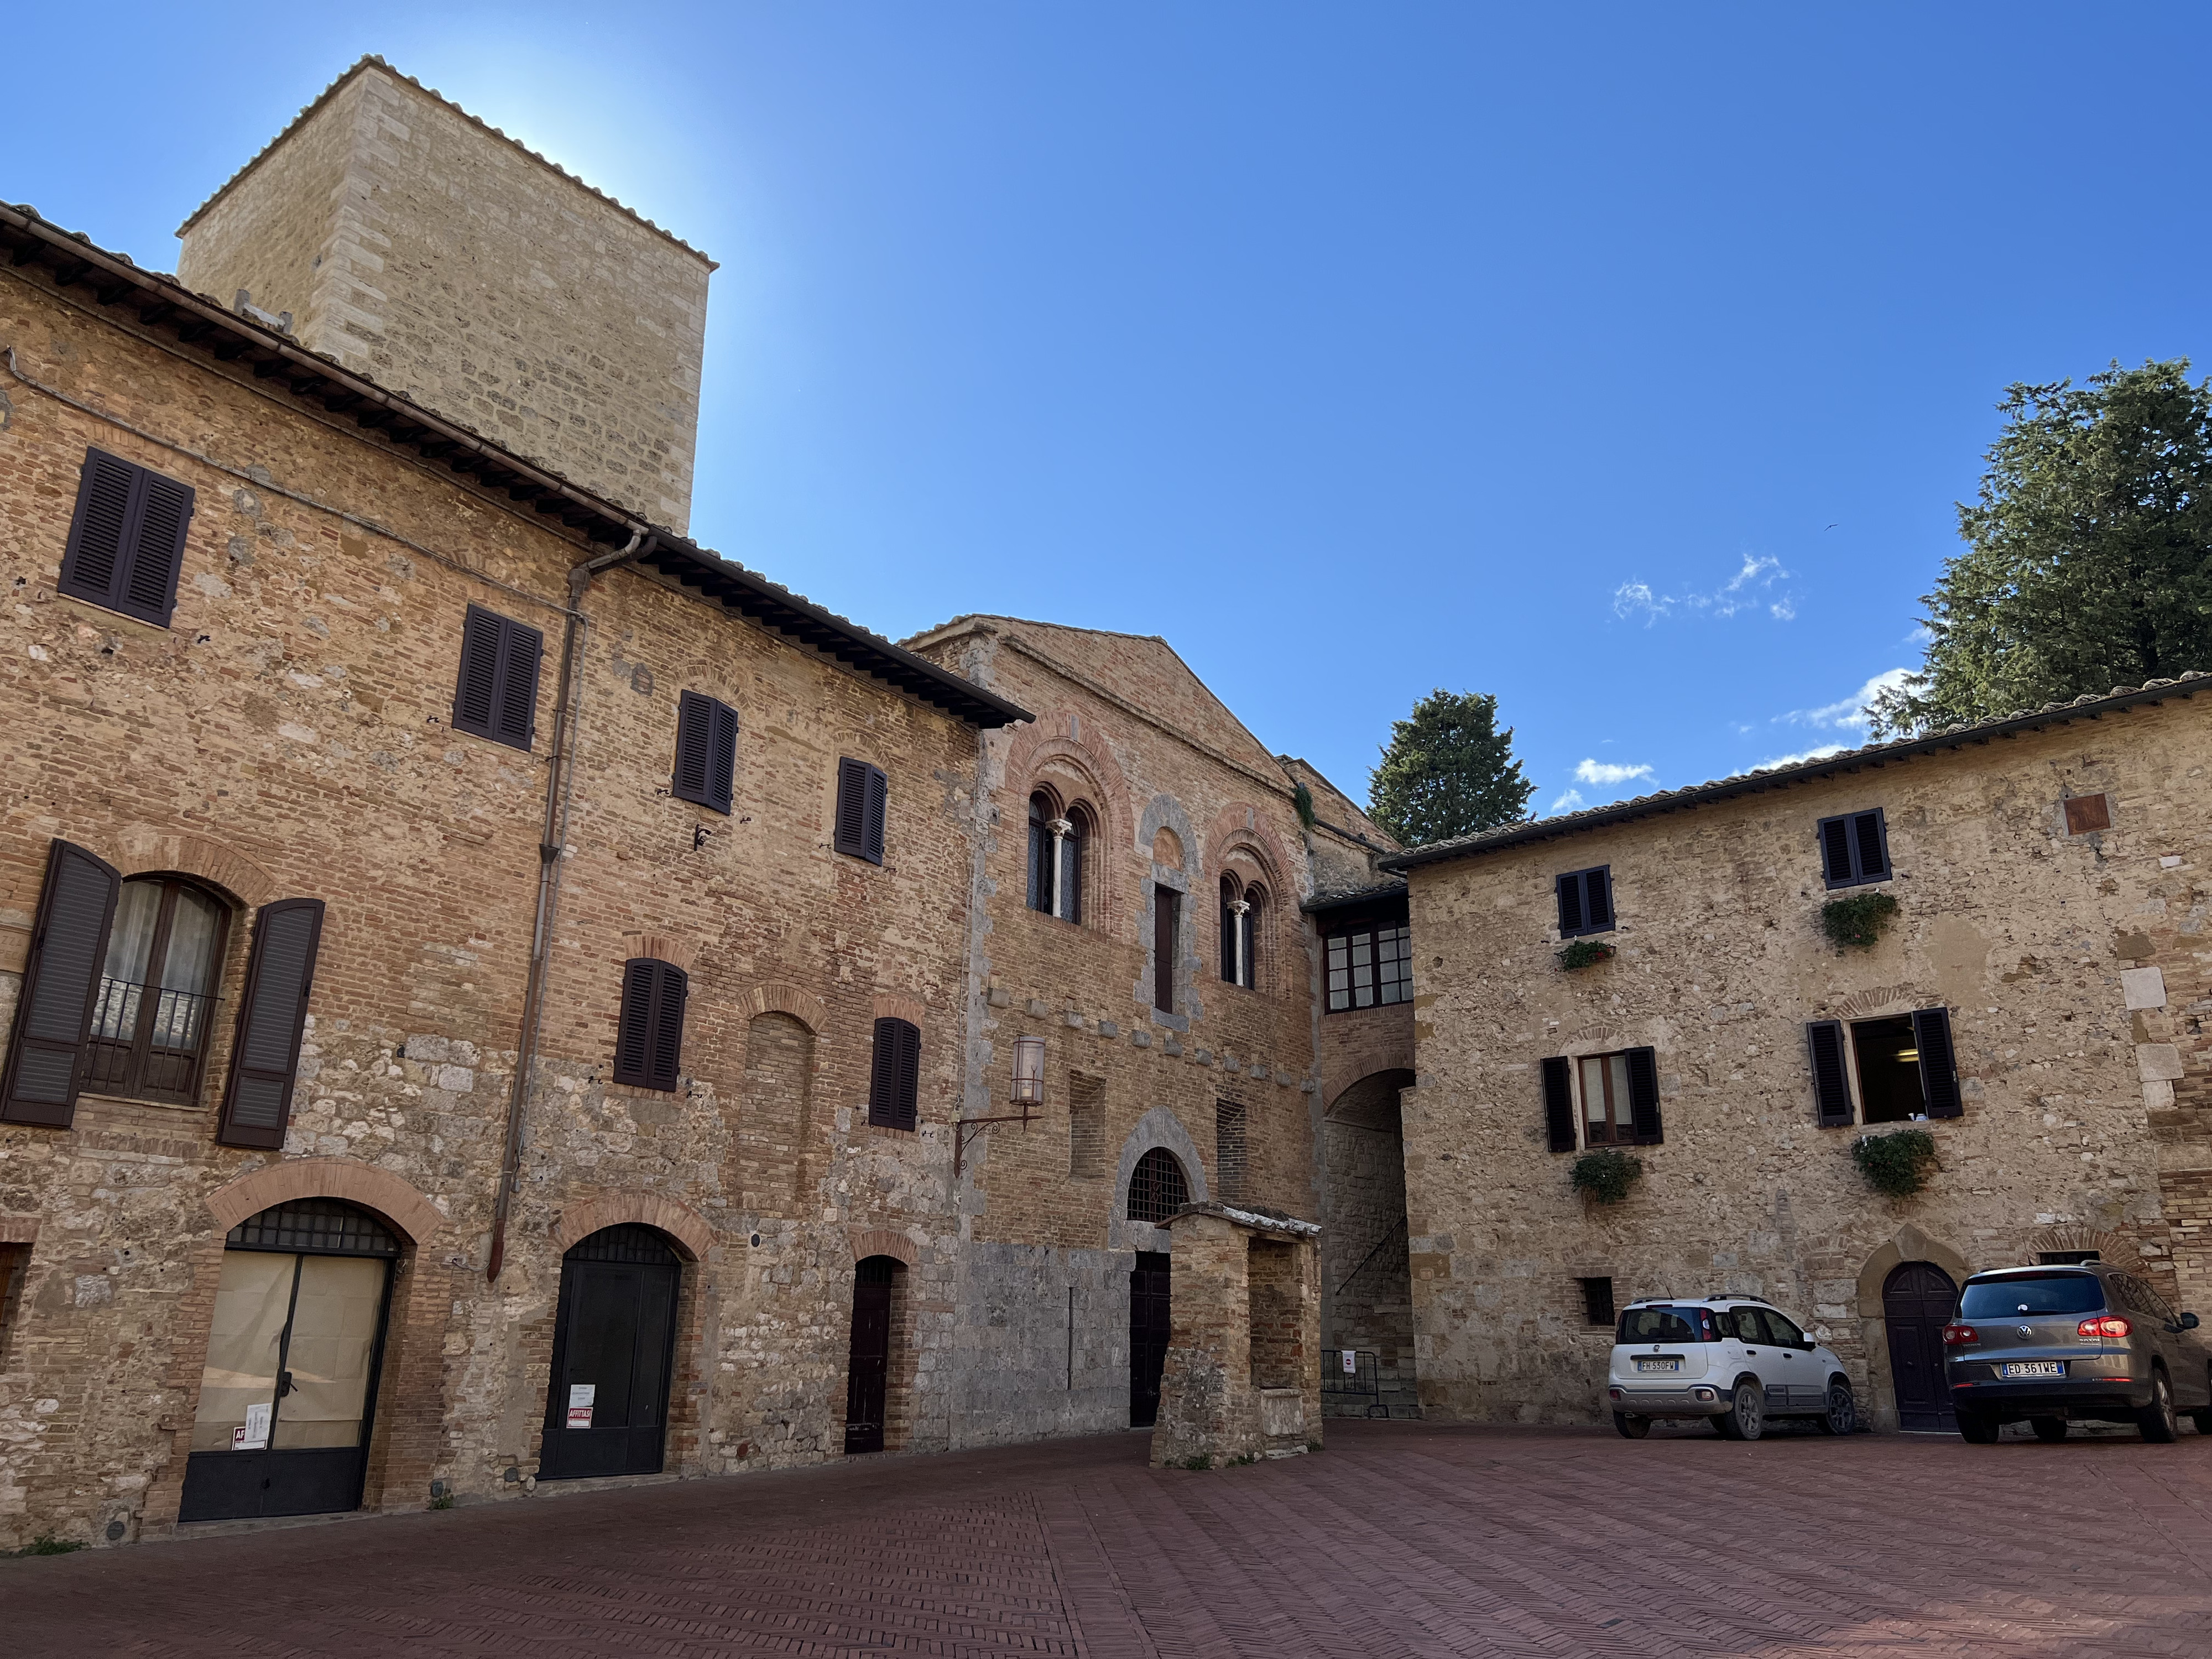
1371	967
1157	1186
1597	1302
314	1226
1854	849
630	1241
154	1007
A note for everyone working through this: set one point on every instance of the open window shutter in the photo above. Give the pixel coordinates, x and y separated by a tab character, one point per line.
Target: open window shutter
68	944
1836	849
1598	903
1824	1041
271	1014
694	731
476	696
1570	889
93	562
894	1074
634	1026
1559	1103
1873	853
851	834
722	759
517	716
1643	1094
878	793
156	549
1939	1069
908	1099
669	995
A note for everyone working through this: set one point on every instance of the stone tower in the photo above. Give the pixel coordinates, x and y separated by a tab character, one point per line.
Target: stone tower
415	245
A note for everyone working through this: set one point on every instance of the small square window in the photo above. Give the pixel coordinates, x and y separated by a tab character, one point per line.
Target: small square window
2087	813
1854	848
1585	901
1597	1302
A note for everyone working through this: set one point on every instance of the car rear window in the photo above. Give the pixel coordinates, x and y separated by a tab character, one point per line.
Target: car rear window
1666	1325
2032	1293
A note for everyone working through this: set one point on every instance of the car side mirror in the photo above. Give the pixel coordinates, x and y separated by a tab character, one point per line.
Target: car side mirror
2187	1321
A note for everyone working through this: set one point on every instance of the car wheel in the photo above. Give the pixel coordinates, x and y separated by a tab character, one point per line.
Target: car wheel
1842	1413
2157	1420
1632	1427
1977	1428
1746	1417
2048	1428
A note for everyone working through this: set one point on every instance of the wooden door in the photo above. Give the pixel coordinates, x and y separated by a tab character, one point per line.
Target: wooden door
868	1377
606	1411
1148	1335
1916	1305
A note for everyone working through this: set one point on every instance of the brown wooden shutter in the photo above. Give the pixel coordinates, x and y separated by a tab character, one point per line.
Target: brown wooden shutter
1644	1095
1559	1102
478	693
1166	903
706	752
851	833
1939	1070
1871	846
520	647
894	1075
61	980
723	760
1597	903
1570	892
669	998
127	541
1832	1091
497	694
649	1030
272	1012
878	800
1836	851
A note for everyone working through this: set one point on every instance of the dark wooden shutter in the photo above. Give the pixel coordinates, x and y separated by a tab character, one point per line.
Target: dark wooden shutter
1836	851
706	752
1570	892
1824	1041
723	760
498	696
878	793
1939	1069
1559	1103
633	1025
894	1075
1871	846
1597	903
477	695
521	649
1644	1095
1166	902
127	541
670	993
272	1012
61	979
862	791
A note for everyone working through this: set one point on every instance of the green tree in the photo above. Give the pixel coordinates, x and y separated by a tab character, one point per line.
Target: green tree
2088	560
1448	771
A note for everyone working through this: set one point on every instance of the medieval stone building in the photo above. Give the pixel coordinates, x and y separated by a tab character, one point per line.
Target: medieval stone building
495	992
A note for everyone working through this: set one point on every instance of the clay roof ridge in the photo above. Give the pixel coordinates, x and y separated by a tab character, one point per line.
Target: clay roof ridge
1666	800
372	60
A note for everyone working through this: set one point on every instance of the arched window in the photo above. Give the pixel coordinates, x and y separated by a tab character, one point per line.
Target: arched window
1157	1186
1240	911
1056	845
157	999
1249	937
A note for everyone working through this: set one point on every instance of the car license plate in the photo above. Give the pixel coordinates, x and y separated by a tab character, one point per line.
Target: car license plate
2033	1367
1658	1365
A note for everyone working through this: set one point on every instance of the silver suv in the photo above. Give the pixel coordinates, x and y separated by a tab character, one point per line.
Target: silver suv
1735	1360
2084	1343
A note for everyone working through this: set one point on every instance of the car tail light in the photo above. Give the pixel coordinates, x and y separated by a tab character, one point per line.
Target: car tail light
2104	1325
1954	1335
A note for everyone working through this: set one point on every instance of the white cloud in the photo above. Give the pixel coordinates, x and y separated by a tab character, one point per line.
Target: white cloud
1570	802
1752	588
1849	713
1820	753
1605	773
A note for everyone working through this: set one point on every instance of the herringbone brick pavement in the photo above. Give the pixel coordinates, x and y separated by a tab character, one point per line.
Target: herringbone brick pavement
1401	1539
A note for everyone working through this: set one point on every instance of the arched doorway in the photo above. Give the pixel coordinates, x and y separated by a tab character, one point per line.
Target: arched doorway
1367	1281
1157	1188
614	1343
868	1370
289	1393
1917	1299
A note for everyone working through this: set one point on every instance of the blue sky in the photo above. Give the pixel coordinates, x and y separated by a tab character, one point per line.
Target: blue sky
1623	361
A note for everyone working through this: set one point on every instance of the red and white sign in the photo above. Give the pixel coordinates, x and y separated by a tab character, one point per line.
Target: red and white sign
580	1396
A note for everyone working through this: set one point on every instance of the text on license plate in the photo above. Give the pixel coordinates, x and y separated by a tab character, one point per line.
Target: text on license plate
1658	1365
2033	1367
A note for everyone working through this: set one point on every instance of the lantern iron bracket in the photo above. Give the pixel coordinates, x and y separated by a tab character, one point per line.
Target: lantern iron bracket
964	1131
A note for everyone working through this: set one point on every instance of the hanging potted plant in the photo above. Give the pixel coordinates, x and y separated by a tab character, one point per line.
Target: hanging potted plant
1896	1165
1857	921
1585	953
1604	1176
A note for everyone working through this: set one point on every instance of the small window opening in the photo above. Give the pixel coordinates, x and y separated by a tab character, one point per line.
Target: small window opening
1889	1070
1157	1186
1597	1302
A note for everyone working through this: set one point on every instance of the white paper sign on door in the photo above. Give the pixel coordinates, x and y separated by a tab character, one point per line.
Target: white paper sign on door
254	1436
1351	1361
580	1396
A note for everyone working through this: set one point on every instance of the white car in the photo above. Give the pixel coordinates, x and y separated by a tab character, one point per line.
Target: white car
1735	1360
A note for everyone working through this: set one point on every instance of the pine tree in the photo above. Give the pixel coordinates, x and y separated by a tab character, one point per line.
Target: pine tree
1448	771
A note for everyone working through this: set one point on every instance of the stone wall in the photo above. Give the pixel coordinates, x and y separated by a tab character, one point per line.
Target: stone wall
2084	1104
415	244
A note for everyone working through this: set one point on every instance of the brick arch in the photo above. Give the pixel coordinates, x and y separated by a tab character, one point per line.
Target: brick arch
661	947
141	849
1239	827
773	997
877	1241
1040	747
691	1232
2111	1247
364	1184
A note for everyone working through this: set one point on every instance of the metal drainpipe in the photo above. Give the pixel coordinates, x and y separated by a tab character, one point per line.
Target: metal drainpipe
559	783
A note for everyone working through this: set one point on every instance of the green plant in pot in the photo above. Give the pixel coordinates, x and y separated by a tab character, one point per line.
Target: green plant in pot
1585	953
1857	921
1896	1165
1604	1176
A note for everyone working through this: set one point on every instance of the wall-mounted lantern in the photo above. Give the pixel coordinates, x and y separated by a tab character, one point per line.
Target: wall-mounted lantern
1028	1071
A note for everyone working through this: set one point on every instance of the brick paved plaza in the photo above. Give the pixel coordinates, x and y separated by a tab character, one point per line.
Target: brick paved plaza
1401	1539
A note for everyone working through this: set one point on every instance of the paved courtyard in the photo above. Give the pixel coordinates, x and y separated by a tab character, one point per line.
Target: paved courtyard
1401	1539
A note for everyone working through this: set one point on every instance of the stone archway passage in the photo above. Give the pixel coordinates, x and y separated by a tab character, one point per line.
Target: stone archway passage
1917	1300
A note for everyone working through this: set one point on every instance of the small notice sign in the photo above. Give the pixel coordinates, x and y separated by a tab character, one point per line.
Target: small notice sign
580	1396
1351	1361
253	1434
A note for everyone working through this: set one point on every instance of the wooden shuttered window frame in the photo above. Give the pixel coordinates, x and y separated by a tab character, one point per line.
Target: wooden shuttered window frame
45	1066
1585	900
1939	1065
272	1014
1854	848
1559	1102
126	540
1831	1088
894	1074
706	752
496	696
1643	1096
649	1030
863	798
1167	931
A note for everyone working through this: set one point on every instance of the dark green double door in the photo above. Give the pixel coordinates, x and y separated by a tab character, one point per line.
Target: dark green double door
614	1339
